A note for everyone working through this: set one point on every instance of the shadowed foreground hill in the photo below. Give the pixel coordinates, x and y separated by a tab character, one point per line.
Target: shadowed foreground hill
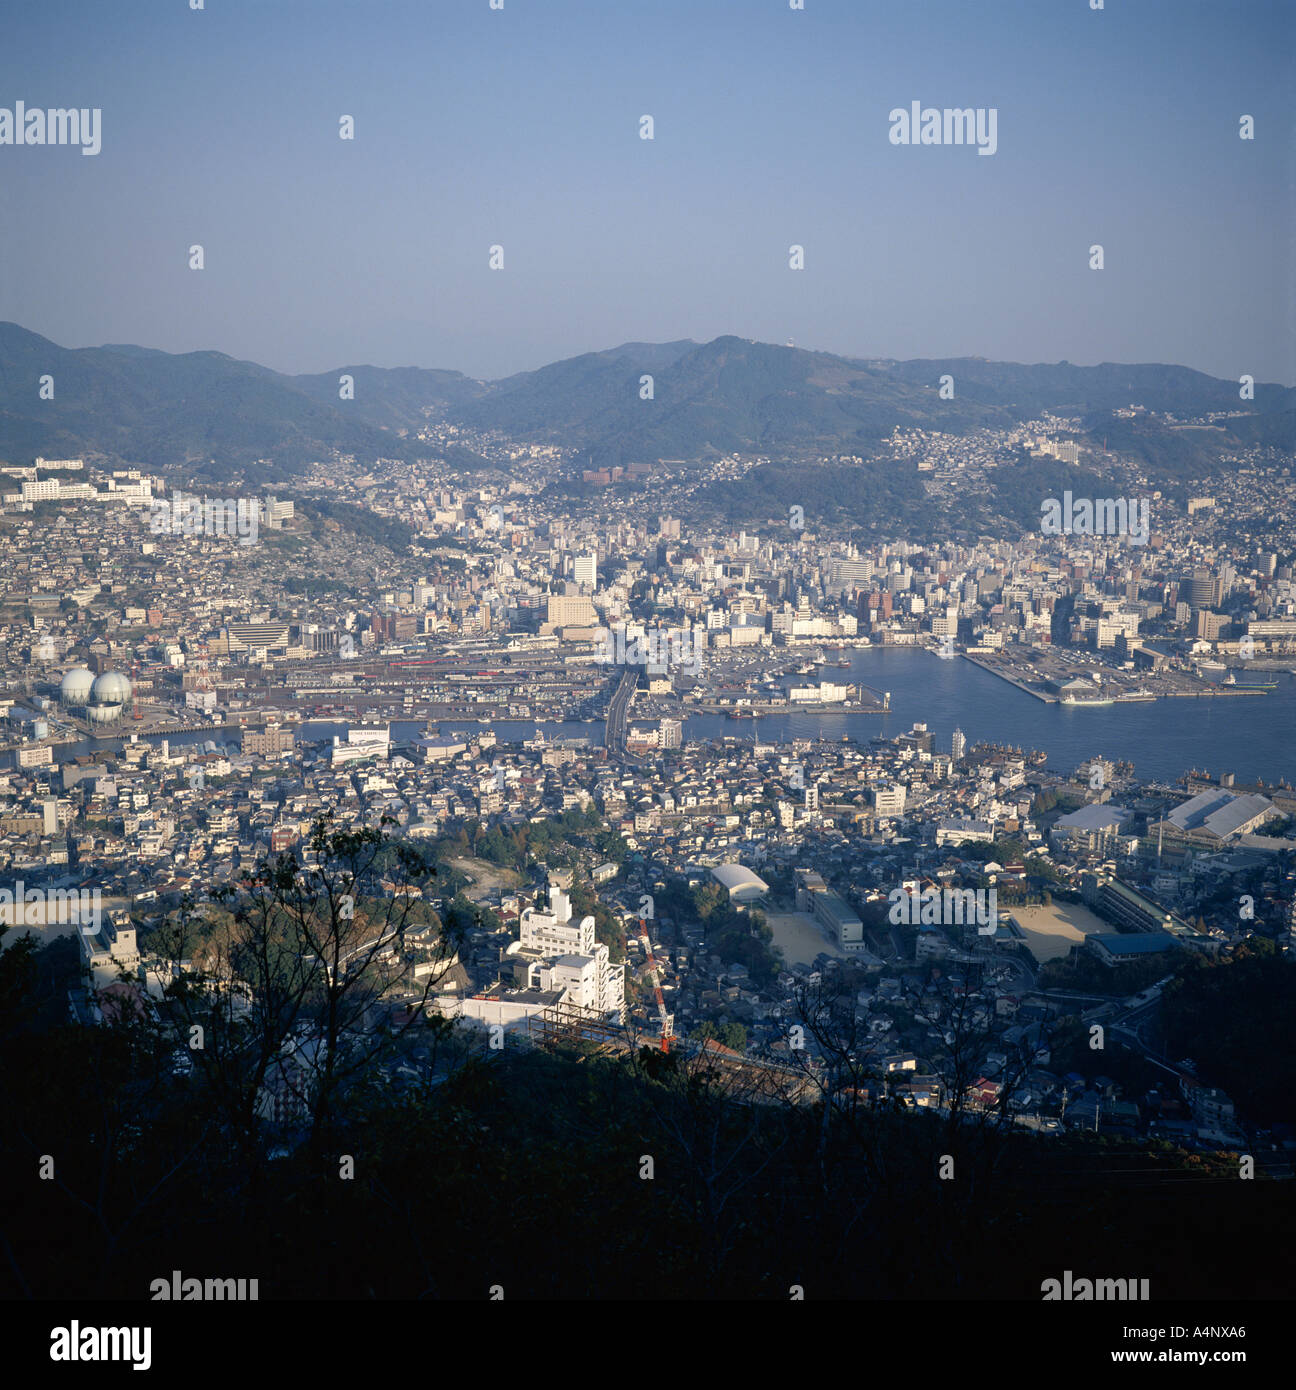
561	1177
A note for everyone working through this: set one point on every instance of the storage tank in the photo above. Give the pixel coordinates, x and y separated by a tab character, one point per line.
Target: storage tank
112	688
76	687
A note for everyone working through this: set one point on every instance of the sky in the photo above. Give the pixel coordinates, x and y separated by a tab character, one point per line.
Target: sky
520	127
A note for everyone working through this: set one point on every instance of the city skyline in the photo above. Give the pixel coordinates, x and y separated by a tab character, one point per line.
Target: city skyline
648	653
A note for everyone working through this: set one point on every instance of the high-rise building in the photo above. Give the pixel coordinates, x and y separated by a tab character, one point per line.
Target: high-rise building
958	745
571	610
1201	589
585	570
554	931
577	965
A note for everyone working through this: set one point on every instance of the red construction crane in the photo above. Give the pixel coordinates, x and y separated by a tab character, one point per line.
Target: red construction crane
667	1022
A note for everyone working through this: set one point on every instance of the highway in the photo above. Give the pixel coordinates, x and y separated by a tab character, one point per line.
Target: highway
618	715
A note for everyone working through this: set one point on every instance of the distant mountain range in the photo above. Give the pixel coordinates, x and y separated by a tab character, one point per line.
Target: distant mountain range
209	413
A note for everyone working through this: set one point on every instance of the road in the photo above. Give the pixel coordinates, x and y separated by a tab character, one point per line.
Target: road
618	715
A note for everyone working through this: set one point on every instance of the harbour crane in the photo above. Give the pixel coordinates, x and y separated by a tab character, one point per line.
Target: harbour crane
666	1020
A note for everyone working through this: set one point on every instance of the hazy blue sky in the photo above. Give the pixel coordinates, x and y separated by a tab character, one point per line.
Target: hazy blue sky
520	127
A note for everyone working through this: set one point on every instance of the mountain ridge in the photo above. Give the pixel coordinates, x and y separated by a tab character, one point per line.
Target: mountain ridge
629	403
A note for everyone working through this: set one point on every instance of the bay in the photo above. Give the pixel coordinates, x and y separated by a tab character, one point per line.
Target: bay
1252	736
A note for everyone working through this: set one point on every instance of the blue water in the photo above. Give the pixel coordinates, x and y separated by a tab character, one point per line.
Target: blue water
1253	736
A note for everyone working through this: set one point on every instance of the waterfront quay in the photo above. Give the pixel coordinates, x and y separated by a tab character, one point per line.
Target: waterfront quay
1071	678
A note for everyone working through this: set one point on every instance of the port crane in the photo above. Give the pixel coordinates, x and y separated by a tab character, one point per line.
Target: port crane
666	1020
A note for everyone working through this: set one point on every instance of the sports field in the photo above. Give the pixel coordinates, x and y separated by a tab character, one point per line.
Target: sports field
1052	931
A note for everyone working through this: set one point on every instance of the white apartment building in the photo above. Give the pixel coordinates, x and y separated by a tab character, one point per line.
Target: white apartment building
589	982
110	949
1112	625
889	801
578	964
553	932
585	570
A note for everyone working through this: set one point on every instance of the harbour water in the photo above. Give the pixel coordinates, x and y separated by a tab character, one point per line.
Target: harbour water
1252	737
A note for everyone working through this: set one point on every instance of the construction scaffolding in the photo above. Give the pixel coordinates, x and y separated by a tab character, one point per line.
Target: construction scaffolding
565	1024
